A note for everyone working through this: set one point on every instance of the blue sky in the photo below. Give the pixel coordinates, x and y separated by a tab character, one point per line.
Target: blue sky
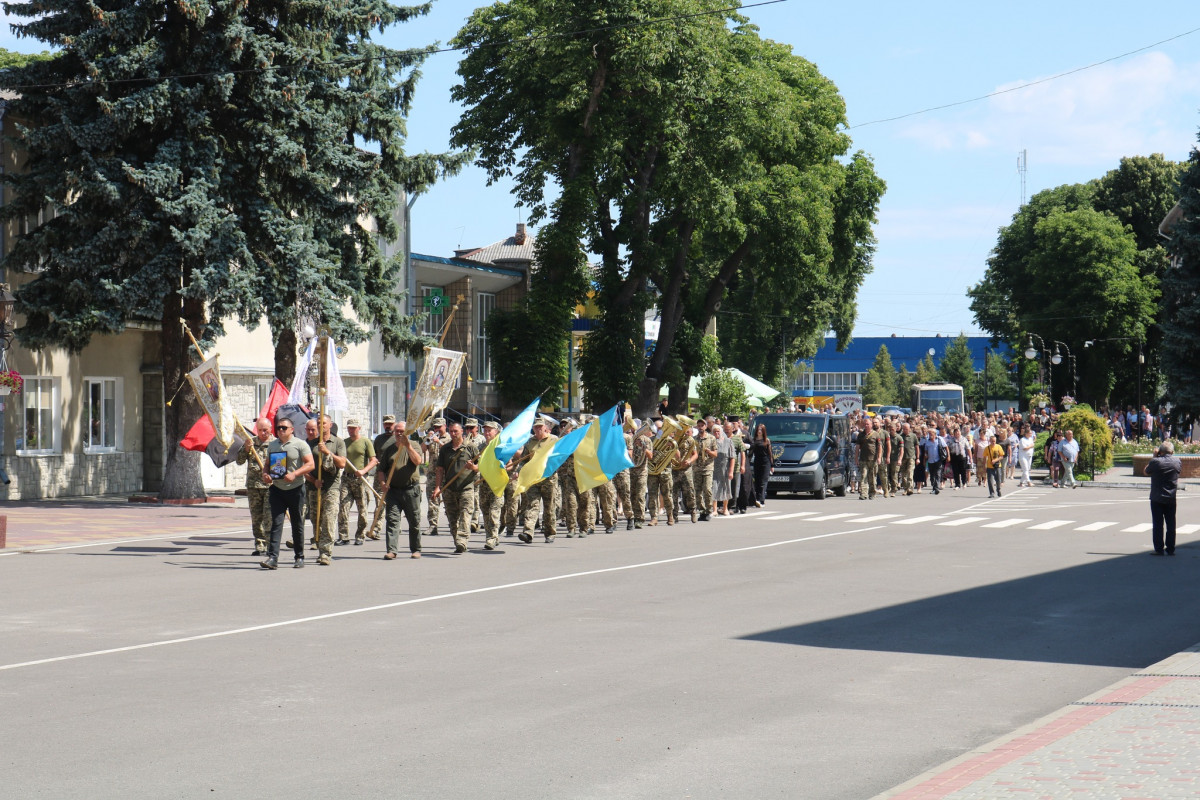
951	174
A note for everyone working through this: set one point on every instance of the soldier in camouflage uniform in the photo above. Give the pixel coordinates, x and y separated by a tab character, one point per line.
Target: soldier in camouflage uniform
473	437
330	454
576	505
454	482
256	490
546	491
431	448
604	499
706	454
489	503
621	483
639	454
683	478
355	491
661	491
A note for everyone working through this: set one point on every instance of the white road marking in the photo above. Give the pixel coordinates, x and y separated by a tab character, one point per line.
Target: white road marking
431	598
950	523
1006	523
1050	524
875	518
917	520
790	516
831	516
1095	526
1141	527
1187	529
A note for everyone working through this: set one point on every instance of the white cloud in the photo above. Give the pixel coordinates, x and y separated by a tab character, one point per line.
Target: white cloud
1142	105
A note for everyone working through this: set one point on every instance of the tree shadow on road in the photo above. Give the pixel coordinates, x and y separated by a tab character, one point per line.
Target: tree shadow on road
1119	612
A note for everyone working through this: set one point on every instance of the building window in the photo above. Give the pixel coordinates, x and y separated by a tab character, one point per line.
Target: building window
481	360
262	393
381	405
836	382
101	415
433	322
41	433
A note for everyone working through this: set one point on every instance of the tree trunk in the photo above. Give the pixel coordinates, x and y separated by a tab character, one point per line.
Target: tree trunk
181	476
286	356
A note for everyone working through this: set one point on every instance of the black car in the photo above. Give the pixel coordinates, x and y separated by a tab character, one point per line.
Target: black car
812	452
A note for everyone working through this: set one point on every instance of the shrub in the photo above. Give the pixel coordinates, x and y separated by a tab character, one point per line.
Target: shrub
1093	435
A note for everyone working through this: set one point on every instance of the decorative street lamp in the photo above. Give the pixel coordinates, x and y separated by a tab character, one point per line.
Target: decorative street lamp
1057	359
1031	353
7	301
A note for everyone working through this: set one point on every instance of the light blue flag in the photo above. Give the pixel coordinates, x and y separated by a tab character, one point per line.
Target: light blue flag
516	433
563	448
612	453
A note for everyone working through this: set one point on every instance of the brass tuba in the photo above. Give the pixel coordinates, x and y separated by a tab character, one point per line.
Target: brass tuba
666	446
687	445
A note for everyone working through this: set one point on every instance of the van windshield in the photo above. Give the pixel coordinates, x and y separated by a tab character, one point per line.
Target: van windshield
800	429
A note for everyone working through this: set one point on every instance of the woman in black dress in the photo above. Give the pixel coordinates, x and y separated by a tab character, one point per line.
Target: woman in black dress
764	464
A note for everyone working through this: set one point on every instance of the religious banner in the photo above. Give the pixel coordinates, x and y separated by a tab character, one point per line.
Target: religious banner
436	384
210	391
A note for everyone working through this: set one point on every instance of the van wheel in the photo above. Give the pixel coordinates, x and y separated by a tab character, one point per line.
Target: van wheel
841	490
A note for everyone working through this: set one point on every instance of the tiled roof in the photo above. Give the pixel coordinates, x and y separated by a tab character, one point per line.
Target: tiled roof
503	253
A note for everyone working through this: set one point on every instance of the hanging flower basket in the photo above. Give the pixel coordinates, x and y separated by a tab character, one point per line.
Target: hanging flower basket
11	382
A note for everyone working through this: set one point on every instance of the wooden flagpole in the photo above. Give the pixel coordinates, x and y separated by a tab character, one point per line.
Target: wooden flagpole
203	358
322	347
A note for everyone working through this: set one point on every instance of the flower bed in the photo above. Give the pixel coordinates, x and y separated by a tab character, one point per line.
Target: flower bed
1191	465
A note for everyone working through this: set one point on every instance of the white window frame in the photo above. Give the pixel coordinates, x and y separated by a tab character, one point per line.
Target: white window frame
118	401
38	386
379	404
481	357
262	392
433	322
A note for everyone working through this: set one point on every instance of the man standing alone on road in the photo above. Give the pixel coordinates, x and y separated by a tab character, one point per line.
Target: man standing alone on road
1164	471
993	458
1068	454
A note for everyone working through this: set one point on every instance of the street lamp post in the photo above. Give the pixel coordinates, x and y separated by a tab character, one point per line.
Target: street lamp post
7	302
1032	353
1057	359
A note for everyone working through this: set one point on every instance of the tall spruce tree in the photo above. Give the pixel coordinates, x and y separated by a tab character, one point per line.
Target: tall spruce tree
879	384
212	160
926	371
1180	313
957	365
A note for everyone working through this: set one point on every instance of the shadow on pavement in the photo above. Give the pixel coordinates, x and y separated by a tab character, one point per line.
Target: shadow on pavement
1119	612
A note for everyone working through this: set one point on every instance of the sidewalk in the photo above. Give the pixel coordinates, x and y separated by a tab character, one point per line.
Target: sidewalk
77	520
1136	740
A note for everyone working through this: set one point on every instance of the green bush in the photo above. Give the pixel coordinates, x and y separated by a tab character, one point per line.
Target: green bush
721	393
1039	450
1093	435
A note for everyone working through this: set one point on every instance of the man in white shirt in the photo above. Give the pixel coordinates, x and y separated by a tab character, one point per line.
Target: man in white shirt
1068	452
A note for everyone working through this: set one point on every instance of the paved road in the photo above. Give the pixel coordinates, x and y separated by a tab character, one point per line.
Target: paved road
827	649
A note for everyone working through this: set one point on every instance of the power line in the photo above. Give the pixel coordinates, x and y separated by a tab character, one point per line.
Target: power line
1023	85
399	54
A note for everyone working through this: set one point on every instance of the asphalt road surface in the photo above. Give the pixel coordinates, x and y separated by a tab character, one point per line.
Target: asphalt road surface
814	649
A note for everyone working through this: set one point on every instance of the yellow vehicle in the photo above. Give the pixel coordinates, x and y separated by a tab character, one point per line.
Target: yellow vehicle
873	408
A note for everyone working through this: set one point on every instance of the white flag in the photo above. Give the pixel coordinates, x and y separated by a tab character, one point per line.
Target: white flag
297	397
335	392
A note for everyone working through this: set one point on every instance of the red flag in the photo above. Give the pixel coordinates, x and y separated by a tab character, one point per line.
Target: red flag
278	397
199	436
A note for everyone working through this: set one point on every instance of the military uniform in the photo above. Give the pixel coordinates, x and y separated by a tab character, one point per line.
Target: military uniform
575	505
909	462
257	494
458	491
330	491
637	478
604	503
868	452
433	447
354	491
478	441
895	459
684	479
702	471
622	483
546	491
402	499
661	491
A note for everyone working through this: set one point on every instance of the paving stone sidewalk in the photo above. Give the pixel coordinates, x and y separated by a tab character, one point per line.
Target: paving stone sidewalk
1136	740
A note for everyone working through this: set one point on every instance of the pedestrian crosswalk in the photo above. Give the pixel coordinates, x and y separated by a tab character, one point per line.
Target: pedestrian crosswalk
958	520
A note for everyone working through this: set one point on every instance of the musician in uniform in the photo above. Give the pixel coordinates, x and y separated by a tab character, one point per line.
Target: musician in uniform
683	479
706	454
545	491
457	466
660	489
622	483
638	474
400	486
257	492
431	448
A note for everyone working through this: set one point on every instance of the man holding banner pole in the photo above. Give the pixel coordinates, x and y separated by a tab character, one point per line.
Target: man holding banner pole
330	453
455	484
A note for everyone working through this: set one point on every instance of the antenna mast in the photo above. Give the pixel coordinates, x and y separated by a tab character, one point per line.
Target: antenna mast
1022	164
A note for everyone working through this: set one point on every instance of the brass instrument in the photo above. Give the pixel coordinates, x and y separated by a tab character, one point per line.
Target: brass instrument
666	446
687	445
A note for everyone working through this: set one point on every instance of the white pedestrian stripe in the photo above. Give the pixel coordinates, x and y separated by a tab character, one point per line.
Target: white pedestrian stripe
1051	525
917	520
876	518
831	516
1095	526
1187	529
790	516
951	523
1006	523
1141	527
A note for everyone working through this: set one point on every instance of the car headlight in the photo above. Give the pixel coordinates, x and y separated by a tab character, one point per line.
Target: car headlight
809	457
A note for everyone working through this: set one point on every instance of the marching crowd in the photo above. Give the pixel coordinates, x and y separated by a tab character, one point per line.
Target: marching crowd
682	469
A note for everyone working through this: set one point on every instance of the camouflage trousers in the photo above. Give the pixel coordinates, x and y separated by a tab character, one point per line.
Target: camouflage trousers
621	486
703	480
605	498
867	472
354	492
893	481
509	516
260	517
661	493
458	511
572	504
431	508
685	487
491	506
329	515
637	492
906	475
547	493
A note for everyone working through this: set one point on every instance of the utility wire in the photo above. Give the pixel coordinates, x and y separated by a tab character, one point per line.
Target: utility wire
1023	85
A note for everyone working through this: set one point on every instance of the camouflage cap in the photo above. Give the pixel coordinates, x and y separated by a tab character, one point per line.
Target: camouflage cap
471	423
567	421
353	423
389	418
491	423
437	422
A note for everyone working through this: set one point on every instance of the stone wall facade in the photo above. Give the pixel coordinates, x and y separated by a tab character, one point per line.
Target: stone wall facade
72	475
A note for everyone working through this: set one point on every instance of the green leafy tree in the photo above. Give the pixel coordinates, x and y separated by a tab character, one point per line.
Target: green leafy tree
689	155
958	366
10	59
721	393
212	161
1095	439
926	371
1181	298
904	382
994	382
879	384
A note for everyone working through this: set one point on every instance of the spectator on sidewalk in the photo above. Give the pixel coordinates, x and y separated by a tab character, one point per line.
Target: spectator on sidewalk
1068	454
1164	471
